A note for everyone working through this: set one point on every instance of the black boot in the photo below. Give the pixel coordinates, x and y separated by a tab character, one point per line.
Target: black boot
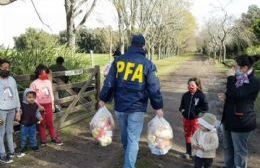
188	148
187	155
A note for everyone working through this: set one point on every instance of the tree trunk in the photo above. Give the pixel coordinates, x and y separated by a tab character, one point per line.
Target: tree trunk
71	31
177	51
71	37
159	52
152	53
224	52
121	32
215	54
110	45
220	54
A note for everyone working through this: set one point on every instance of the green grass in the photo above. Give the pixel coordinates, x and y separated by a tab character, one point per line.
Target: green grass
99	59
169	65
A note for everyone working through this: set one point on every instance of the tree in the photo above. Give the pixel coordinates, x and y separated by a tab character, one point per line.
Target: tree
35	39
6	2
256	28
98	39
74	9
253	13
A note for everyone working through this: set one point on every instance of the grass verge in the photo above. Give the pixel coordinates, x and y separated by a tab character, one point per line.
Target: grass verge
169	65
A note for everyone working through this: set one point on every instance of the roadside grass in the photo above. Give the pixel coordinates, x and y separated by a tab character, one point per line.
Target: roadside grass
169	65
99	59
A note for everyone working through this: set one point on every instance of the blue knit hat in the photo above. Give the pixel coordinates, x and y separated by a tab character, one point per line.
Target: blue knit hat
138	40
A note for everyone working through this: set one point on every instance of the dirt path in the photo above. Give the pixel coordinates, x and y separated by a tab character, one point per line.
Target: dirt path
80	150
174	85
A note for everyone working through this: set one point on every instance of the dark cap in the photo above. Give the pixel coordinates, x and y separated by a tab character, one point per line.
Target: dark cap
138	40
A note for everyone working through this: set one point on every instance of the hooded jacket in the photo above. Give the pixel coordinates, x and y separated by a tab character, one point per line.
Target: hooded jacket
9	96
44	92
208	141
132	80
192	105
30	112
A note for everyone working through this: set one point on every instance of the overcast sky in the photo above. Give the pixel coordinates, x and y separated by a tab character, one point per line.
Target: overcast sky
18	16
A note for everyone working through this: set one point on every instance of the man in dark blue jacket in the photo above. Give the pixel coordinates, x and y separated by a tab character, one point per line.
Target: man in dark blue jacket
132	80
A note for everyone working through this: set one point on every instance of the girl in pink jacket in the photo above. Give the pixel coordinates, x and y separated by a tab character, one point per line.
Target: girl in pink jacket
45	99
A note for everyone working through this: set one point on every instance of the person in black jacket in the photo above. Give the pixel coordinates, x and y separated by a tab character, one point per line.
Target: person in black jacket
193	103
239	117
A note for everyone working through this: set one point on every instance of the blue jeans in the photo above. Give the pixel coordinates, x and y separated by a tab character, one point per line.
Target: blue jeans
236	149
131	125
28	131
6	130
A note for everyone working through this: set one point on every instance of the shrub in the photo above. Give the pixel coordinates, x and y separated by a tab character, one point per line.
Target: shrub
254	50
34	38
24	62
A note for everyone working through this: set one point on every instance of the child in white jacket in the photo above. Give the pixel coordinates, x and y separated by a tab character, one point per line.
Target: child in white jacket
205	141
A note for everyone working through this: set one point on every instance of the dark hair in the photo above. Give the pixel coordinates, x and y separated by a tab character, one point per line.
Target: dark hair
31	92
3	61
39	69
197	81
245	60
117	53
60	60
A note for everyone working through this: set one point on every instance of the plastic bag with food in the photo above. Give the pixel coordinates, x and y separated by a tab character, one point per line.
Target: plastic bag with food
159	136
220	131
102	125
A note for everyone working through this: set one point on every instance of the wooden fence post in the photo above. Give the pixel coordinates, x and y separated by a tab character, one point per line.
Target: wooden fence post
92	58
98	87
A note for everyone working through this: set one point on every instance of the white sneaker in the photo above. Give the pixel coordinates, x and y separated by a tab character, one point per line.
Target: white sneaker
20	155
6	160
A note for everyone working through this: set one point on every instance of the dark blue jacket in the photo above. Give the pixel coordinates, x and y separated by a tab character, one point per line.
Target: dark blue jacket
132	80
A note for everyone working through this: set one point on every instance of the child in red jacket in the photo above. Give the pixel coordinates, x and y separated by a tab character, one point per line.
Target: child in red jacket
42	86
193	102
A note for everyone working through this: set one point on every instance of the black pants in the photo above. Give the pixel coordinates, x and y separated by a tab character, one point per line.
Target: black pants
203	162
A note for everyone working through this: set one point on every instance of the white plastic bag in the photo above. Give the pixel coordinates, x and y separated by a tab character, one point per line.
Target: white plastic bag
107	69
102	125
159	136
220	131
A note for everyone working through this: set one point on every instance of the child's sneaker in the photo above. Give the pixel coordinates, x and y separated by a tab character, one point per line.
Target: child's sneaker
35	148
17	154
20	154
43	144
187	156
57	142
6	160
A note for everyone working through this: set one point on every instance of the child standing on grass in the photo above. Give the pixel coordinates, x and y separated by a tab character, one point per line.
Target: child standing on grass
29	118
45	100
205	141
192	104
9	105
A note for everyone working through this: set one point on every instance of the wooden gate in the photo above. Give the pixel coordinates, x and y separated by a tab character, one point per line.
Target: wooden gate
77	99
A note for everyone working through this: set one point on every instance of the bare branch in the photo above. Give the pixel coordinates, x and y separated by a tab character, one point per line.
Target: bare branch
6	2
39	16
87	15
